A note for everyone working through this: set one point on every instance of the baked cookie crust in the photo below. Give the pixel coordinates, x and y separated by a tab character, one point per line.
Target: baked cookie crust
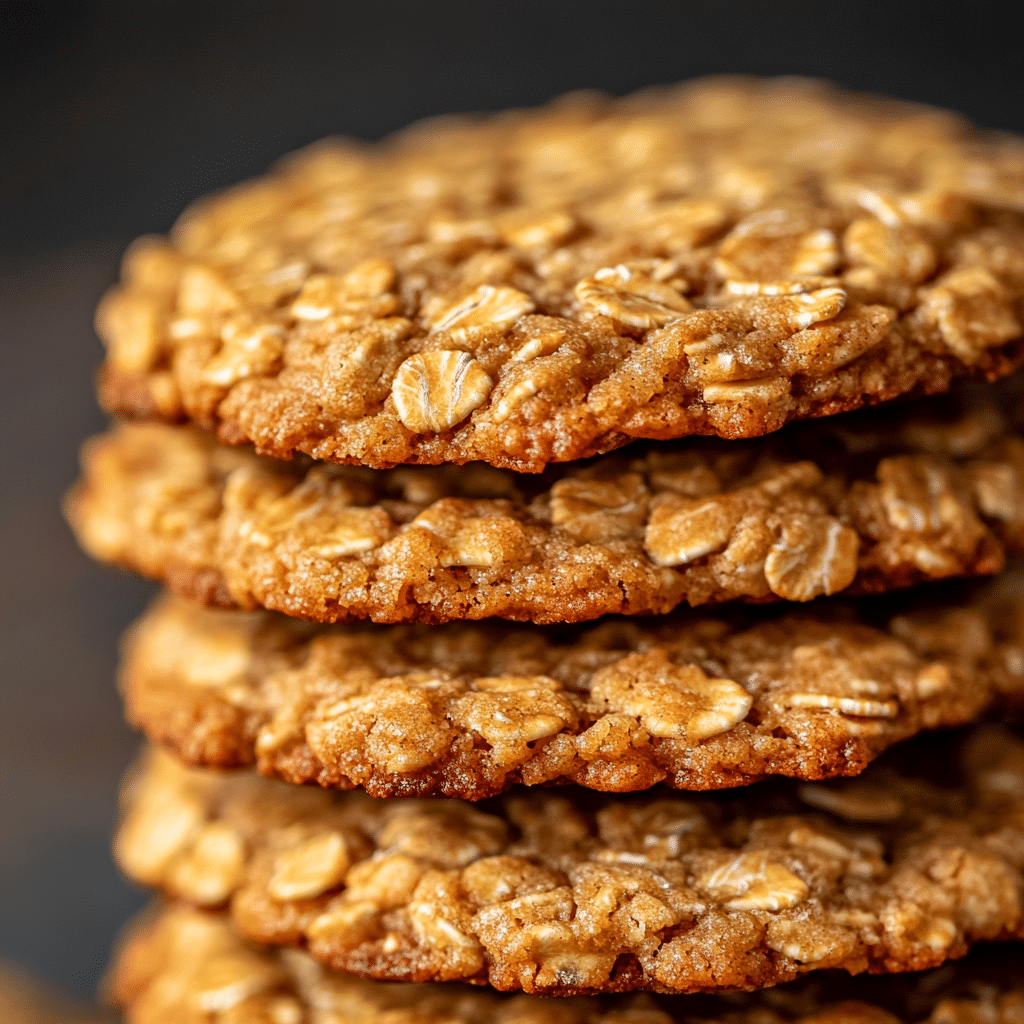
698	702
546	285
861	504
184	966
899	870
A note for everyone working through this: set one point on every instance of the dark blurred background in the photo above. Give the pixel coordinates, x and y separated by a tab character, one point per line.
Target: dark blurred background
113	116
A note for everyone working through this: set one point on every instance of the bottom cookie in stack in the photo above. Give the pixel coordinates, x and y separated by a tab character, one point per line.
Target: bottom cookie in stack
570	892
184	966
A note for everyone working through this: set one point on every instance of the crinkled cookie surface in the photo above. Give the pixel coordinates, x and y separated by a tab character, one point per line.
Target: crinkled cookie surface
899	870
468	710
861	503
185	966
542	286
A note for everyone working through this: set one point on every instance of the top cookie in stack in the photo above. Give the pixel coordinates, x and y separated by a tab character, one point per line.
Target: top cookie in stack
539	288
542	286
546	285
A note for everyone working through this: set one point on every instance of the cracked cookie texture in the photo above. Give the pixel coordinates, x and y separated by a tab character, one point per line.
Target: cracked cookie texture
862	503
183	966
899	870
467	710
540	286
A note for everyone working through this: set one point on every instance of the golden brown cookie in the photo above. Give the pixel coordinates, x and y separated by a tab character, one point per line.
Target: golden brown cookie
541	286
899	870
467	710
189	967
861	503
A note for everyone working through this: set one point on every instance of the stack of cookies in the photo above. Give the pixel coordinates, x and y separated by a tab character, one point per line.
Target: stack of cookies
409	433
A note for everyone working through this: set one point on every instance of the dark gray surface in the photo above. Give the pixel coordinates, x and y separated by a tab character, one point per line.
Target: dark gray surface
115	114
63	746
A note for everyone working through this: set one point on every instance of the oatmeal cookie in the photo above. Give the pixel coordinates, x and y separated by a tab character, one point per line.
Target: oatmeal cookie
861	503
468	710
899	870
189	967
542	286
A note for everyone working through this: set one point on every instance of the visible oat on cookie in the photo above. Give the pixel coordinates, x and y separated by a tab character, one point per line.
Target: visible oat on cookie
469	710
856	504
542	286
185	961
899	870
